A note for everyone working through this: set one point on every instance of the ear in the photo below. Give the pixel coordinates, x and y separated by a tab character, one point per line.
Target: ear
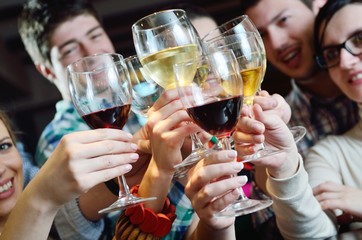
318	4
45	71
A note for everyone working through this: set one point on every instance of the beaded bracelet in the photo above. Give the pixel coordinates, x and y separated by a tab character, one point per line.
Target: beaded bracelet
149	222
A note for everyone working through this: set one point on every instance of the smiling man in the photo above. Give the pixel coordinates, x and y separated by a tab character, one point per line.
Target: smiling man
286	27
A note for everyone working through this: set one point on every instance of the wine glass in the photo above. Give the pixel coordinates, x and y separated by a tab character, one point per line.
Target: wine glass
101	92
145	91
248	54
214	101
243	24
163	39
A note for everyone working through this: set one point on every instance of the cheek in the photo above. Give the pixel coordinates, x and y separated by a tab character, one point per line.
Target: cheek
337	76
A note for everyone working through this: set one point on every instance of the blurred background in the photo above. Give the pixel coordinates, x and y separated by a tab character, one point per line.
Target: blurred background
30	99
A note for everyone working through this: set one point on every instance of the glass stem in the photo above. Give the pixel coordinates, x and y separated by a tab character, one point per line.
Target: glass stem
225	143
196	142
123	187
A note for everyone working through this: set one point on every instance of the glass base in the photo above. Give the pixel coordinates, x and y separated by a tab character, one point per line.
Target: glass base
195	156
298	132
124	202
243	207
259	154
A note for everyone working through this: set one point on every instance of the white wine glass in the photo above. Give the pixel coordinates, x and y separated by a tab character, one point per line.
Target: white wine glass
214	101
145	91
163	39
102	94
241	25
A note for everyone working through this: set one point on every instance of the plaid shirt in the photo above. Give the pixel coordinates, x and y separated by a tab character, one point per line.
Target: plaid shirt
184	212
321	117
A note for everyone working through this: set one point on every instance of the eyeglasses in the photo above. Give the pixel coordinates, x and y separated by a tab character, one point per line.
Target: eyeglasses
330	56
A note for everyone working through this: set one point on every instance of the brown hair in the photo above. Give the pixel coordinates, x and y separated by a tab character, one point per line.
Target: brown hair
5	119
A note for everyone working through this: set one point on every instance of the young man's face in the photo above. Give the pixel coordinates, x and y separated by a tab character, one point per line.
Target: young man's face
287	30
76	38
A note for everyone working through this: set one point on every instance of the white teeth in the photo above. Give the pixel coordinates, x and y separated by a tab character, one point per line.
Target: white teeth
6	187
356	77
289	56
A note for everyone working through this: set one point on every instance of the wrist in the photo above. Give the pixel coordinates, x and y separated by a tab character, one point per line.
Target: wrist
289	166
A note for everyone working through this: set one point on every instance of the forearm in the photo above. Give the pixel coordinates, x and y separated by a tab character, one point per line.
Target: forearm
31	218
155	184
95	199
297	212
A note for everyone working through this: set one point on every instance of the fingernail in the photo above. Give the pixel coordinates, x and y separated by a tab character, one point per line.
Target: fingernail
242	179
128	167
130	136
232	154
134	156
238	166
134	146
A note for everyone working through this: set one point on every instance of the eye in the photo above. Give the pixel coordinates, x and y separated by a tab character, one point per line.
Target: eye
357	39
283	20
68	50
330	54
5	146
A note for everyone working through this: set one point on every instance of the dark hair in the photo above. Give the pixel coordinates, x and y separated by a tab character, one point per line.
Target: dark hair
192	11
39	19
246	4
325	14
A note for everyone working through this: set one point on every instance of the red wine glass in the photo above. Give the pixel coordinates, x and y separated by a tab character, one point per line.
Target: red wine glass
102	94
214	101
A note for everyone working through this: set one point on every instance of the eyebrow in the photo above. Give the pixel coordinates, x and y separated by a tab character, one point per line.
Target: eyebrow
4	139
358	30
74	41
274	19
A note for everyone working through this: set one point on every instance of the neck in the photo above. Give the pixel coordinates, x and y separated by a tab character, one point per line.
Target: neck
2	222
320	85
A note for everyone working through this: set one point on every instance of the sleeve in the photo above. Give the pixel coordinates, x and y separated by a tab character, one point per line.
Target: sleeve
29	167
322	162
71	224
298	213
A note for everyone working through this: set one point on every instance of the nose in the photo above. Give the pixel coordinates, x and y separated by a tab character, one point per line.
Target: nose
347	60
277	38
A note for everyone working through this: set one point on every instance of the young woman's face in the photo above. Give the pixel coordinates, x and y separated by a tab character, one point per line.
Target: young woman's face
11	173
347	74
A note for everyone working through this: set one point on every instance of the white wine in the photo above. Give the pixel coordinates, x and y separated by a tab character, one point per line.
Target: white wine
160	64
252	78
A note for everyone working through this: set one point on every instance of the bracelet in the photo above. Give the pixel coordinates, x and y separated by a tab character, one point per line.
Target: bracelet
149	222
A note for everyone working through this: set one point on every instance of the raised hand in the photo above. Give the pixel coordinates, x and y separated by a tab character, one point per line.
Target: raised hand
270	126
83	160
332	196
210	187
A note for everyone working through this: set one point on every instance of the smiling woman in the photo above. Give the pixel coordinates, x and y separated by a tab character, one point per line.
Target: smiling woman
29	214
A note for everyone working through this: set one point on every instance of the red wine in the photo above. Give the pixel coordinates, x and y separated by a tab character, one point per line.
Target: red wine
218	118
115	117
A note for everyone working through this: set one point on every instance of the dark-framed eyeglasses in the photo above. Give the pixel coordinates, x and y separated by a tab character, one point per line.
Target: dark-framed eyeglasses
330	56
